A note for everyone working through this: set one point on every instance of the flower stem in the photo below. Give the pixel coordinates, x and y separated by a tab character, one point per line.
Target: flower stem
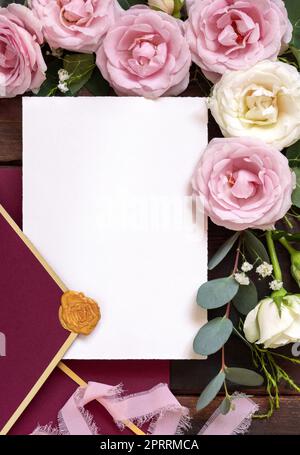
223	359
237	257
287	245
288	222
273	256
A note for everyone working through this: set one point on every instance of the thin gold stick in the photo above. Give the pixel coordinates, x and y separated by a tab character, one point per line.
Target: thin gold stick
63	367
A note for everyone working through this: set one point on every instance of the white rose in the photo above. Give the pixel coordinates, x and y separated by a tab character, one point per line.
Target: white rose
262	102
266	325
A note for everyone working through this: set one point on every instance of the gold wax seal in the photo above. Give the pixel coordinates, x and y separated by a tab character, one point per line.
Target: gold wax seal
78	313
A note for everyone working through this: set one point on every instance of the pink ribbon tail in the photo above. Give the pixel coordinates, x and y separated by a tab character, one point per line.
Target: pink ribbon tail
157	406
237	421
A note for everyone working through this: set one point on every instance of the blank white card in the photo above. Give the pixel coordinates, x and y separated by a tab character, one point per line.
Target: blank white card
106	201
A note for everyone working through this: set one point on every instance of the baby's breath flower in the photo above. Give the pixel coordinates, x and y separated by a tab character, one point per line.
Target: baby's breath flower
242	279
264	269
276	285
63	75
246	267
62	86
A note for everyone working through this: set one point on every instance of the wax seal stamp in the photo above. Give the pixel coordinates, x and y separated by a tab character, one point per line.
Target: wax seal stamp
78	313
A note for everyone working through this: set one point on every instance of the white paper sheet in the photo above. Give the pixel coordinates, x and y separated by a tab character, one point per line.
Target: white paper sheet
105	184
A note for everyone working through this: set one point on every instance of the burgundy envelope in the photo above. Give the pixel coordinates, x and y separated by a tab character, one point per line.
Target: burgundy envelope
32	336
25	365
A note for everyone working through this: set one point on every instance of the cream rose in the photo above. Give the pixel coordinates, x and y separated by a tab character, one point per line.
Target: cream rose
268	325
262	102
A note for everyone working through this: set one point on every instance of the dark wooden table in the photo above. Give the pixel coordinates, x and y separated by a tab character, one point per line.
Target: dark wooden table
187	377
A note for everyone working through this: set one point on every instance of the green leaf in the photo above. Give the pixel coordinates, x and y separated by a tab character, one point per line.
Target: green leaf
296	192
212	336
223	251
296	52
49	86
225	406
246	299
293	155
293	9
97	85
216	293
211	391
80	68
243	376
255	247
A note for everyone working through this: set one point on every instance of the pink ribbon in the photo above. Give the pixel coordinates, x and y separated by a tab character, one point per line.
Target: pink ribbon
158	406
237	421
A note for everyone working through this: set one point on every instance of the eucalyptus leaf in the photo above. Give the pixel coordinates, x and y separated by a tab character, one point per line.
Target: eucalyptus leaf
212	336
225	406
255	247
296	192
216	293
223	251
243	376
211	391
293	154
80	68
246	299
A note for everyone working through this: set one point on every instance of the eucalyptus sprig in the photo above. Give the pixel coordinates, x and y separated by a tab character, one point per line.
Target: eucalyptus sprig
217	293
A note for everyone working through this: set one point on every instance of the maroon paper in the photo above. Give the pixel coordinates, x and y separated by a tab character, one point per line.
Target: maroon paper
11	192
28	319
136	375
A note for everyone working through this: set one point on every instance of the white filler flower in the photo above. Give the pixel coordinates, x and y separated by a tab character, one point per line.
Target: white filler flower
246	267
242	279
262	102
276	285
274	327
264	269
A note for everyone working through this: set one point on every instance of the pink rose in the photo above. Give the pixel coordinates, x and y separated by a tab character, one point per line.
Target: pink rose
235	34
244	183
22	66
76	25
145	54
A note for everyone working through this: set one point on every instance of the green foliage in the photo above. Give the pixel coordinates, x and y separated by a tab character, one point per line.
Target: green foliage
211	391
246	299
255	247
294	16
49	86
243	376
223	251
216	293
97	85
296	192
293	155
80	68
212	336
225	407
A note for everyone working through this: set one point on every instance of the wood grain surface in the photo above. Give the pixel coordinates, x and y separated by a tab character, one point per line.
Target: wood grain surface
188	378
